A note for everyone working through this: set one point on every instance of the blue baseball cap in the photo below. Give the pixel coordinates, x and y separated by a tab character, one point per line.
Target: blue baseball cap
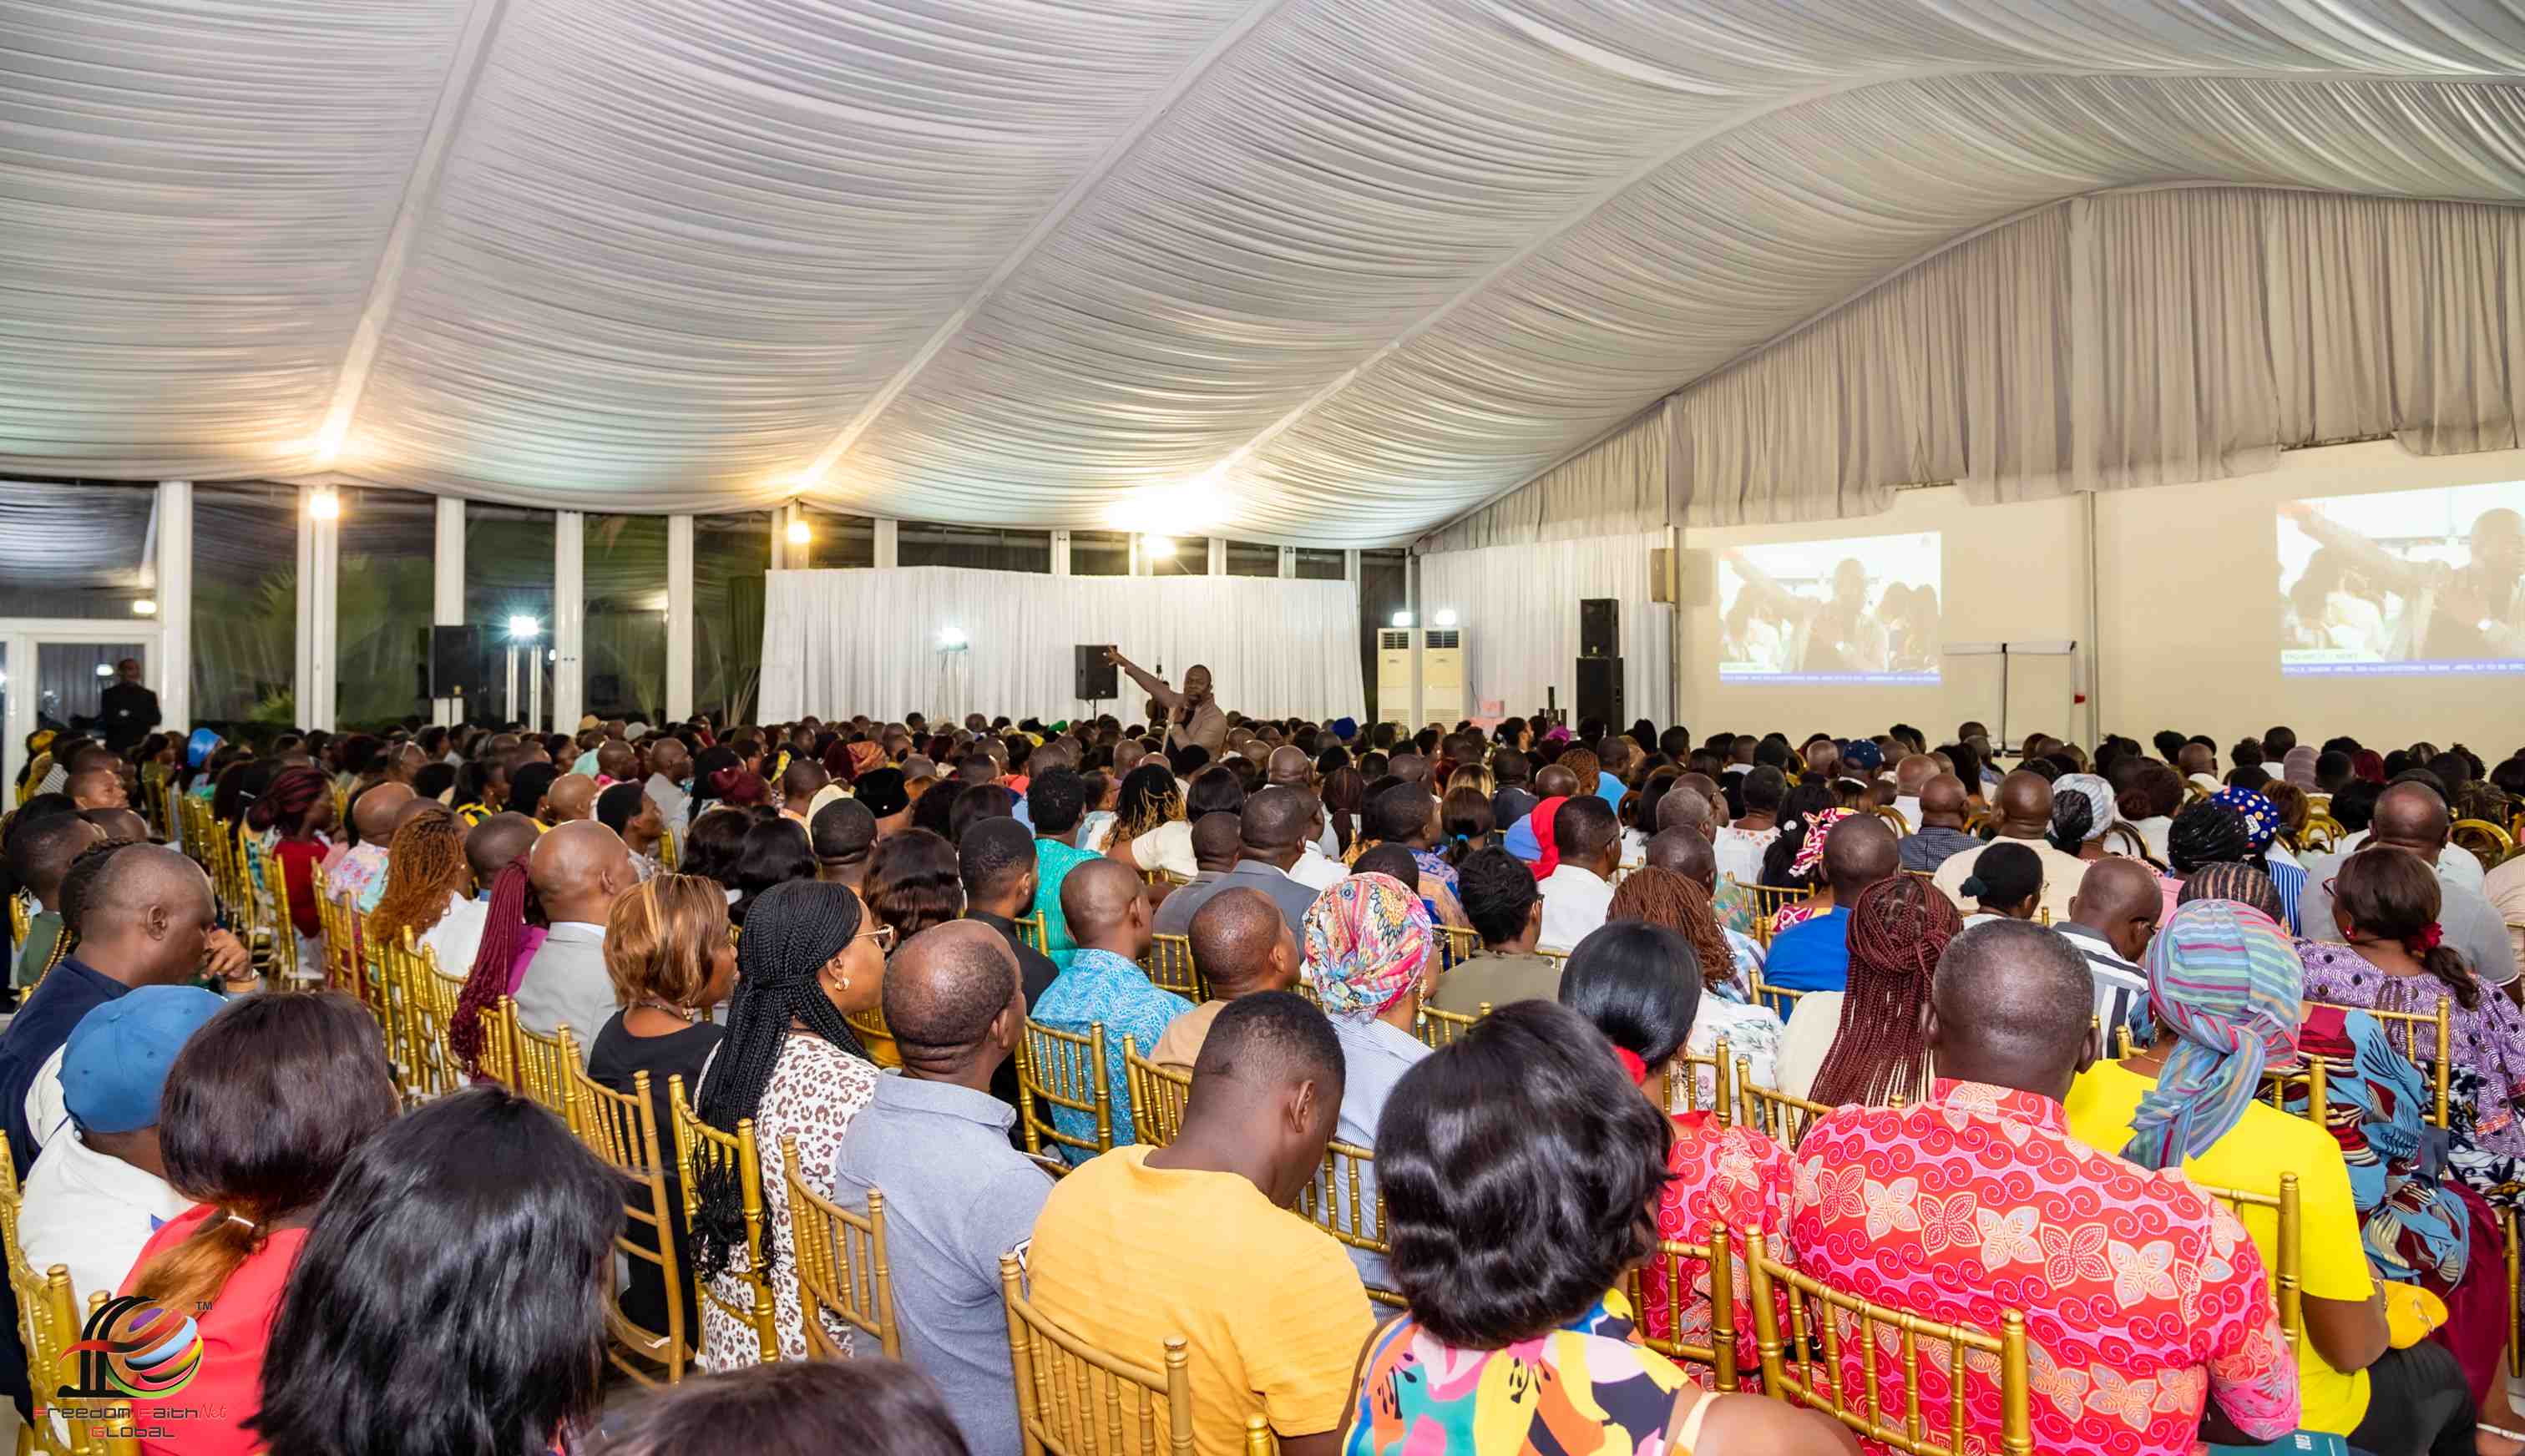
1864	754
199	748
115	1064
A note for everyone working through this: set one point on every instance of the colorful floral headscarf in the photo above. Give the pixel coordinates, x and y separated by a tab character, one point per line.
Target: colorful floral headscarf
2223	977
2261	816
1819	825
1367	943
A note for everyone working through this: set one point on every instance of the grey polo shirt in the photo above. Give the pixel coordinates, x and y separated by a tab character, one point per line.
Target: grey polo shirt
957	1198
1374	1057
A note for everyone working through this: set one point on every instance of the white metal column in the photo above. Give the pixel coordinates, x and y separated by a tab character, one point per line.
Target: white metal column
1061	552
887	548
782	515
447	597
570	617
1218	555
679	617
1288	563
173	667
1411	604
318	563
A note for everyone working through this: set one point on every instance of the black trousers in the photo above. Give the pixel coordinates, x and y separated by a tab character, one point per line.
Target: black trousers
2417	1405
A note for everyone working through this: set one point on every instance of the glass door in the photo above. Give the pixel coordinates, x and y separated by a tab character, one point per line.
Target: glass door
56	677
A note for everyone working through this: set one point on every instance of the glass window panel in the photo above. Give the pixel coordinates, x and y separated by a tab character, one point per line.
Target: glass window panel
70	679
1318	566
509	577
730	555
916	544
1246	558
76	548
839	540
381	608
1099	554
1190	557
245	606
624	655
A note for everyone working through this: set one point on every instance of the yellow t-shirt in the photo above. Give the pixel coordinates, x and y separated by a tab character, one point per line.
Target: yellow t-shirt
1272	1309
2266	1143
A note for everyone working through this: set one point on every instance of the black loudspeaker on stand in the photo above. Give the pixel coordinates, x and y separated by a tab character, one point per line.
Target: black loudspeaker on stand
458	666
1600	691
1098	681
1600	627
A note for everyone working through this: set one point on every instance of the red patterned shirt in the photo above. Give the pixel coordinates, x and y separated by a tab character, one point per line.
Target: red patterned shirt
2141	1294
1735	1175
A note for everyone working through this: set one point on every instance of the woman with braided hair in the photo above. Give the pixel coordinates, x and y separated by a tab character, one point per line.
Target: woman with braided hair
1657	896
427	875
512	931
298	808
1870	1043
811	955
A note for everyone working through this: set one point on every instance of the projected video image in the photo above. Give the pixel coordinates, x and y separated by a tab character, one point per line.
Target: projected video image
1861	609
2403	582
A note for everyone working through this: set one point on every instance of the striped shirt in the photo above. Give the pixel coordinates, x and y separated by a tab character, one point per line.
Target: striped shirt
2121	987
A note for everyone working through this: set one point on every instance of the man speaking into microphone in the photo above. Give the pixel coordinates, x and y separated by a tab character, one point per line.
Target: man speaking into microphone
1193	715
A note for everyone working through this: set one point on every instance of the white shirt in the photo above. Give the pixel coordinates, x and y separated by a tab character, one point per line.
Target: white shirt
457	935
1909	806
1168	846
91	1212
2151	833
1575	903
1739	852
2456	866
1318	871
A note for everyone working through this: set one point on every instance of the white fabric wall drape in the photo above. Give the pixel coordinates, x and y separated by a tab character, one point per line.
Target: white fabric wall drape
866	640
1517	607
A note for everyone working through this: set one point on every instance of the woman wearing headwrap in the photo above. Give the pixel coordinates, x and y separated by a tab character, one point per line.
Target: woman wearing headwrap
811	955
2082	814
1369	957
2223	994
2261	831
2297	768
1795	859
1540	820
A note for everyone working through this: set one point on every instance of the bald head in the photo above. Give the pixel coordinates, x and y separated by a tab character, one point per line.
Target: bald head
1943	802
1216	838
2013	1000
2195	757
1290	768
490	844
2119	898
1101	900
951	1001
1687	852
666	756
1685	808
1410	768
1913	772
374	816
1702	785
577	869
1243	944
142	919
2024	802
615	758
1555	781
572	796
2410	816
1276	824
1858	852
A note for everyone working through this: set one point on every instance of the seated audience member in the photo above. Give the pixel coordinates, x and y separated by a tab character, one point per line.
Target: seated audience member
479	1202
1938	830
808	959
913	883
1578	889
1506	906
1214	844
885	795
1854	853
1058	801
2223	983
1693	856
2082	814
635	818
957	1196
842	834
1274	1316
1991	1142
360	874
426	878
2152	795
120	824
97	782
297	810
1795	860
997	864
1407	814
1741	845
1242	945
1514	1291
1869	1042
1271	838
100	1189
1105	984
143	916
1151	829
868	1406
776	851
1370	955
668	953
2262	820
2113	918
1912	774
490	847
571	800
2412	817
577	870
2007	884
40	851
2024	803
263	1106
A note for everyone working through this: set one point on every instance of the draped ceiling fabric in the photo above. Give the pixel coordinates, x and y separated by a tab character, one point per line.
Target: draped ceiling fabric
1320	271
866	640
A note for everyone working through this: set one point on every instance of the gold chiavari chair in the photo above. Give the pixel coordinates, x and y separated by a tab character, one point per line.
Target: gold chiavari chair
700	1149
2427	1039
50	1319
1687	1266
1767	902
1457	944
621	1128
1894	816
21	916
414	971
2488	842
542	1062
1335	1201
439	993
1031	931
1163	877
1436	1028
2287	1228
1779	998
1560	959
1170	968
1720	1101
197	830
1783	1118
2192	792
1057	1069
1804	1366
283	966
1157	1097
394	996
874	1034
1259	1439
840	1257
1074	1400
668	857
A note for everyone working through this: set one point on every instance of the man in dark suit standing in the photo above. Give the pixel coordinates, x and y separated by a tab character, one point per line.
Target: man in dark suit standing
125	711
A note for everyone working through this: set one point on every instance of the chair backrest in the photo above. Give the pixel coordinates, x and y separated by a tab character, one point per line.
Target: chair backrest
1030	929
1457	944
542	1062
1170	968
2131	840
840	1257
1063	1069
702	1150
1157	1097
1767	902
1783	1118
1894	816
621	1128
1721	1097
1436	1028
1334	1200
1803	1365
2288	1243
1074	1400
1163	877
413	970
1779	998
396	998
2489	843
2427	1039
668	858
2322	832
20	917
876	1036
1688	1268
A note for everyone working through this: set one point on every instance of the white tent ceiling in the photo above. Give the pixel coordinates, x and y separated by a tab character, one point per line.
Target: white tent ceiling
1316	270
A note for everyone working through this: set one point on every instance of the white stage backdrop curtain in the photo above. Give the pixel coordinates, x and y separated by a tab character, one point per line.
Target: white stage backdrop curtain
1517	607
837	643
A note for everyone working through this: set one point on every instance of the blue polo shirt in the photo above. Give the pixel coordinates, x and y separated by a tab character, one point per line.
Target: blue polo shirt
69	991
1523	843
1811	955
